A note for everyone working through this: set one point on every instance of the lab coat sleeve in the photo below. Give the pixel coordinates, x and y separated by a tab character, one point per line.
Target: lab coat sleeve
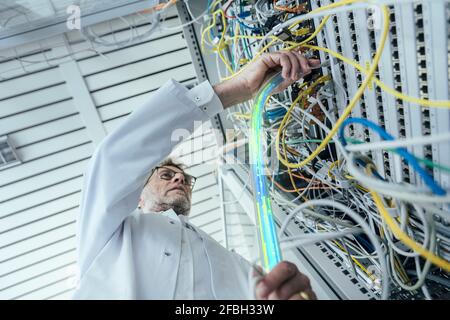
122	162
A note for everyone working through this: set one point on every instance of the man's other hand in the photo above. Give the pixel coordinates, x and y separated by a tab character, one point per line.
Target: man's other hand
285	282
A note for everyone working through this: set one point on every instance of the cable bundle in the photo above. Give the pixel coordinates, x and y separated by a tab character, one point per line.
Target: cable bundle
390	232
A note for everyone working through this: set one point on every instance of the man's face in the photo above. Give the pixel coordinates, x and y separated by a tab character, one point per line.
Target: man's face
167	187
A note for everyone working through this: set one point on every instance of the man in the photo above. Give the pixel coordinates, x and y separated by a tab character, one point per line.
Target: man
153	252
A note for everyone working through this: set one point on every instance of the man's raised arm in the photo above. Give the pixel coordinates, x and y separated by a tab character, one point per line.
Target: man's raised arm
122	163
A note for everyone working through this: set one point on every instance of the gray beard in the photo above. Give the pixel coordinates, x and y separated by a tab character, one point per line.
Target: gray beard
180	206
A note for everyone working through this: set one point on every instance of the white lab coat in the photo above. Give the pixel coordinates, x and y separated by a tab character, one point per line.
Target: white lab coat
122	253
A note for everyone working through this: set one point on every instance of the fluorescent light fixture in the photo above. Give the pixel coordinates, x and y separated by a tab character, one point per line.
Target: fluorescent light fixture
8	156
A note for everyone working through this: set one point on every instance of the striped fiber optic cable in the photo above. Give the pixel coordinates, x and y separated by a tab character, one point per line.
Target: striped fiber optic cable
269	246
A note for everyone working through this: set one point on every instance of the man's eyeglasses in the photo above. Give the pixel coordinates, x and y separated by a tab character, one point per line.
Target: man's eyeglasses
165	173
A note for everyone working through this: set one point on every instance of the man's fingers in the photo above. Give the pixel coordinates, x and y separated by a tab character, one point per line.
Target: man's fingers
285	63
304	295
271	60
306	68
257	271
295	66
299	283
313	63
273	280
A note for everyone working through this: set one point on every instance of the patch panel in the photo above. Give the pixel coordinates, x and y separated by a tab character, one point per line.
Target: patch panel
392	106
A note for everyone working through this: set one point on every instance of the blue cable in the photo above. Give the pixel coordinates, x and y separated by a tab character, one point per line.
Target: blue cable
411	159
242	15
208	5
276	110
275	113
254	29
232	46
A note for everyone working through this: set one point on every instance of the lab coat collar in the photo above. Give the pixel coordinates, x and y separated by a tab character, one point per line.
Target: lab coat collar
173	215
168	213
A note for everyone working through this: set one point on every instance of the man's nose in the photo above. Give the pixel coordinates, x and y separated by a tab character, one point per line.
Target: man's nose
178	177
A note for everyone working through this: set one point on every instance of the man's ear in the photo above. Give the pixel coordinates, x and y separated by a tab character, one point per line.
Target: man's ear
141	203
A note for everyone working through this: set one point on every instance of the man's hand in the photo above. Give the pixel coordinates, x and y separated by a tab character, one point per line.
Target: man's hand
246	84
285	282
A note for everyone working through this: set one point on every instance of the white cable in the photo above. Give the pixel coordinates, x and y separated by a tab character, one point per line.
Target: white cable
89	34
318	236
194	19
354	197
399	143
298	241
392	190
426	240
305	17
254	276
363	225
421	276
359	5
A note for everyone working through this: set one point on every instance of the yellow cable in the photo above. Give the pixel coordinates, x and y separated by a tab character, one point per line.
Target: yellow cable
295	9
245	36
371	276
401	270
335	163
291	178
383	86
274	39
315	33
236	37
322	24
288	115
221	45
352	103
300	96
329	6
399	234
301	32
336	5
254	58
242	115
210	26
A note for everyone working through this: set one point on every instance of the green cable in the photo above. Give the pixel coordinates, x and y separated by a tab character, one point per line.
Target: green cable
426	162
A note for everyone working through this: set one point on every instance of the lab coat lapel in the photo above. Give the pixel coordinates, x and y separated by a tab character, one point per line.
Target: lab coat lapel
166	277
227	279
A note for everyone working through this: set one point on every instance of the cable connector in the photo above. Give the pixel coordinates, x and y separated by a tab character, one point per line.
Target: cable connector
322	173
328	90
216	40
283	34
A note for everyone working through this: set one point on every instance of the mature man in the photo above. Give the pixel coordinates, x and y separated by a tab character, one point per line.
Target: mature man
152	252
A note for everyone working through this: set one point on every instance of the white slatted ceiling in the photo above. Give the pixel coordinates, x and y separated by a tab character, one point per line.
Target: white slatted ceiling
39	199
28	15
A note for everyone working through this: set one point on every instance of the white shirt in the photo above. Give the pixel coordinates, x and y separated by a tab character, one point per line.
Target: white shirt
191	282
125	254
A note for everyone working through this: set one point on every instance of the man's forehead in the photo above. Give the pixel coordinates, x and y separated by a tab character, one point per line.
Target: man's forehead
176	169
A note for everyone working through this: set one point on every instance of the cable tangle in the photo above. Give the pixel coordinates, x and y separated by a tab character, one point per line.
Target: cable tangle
325	157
